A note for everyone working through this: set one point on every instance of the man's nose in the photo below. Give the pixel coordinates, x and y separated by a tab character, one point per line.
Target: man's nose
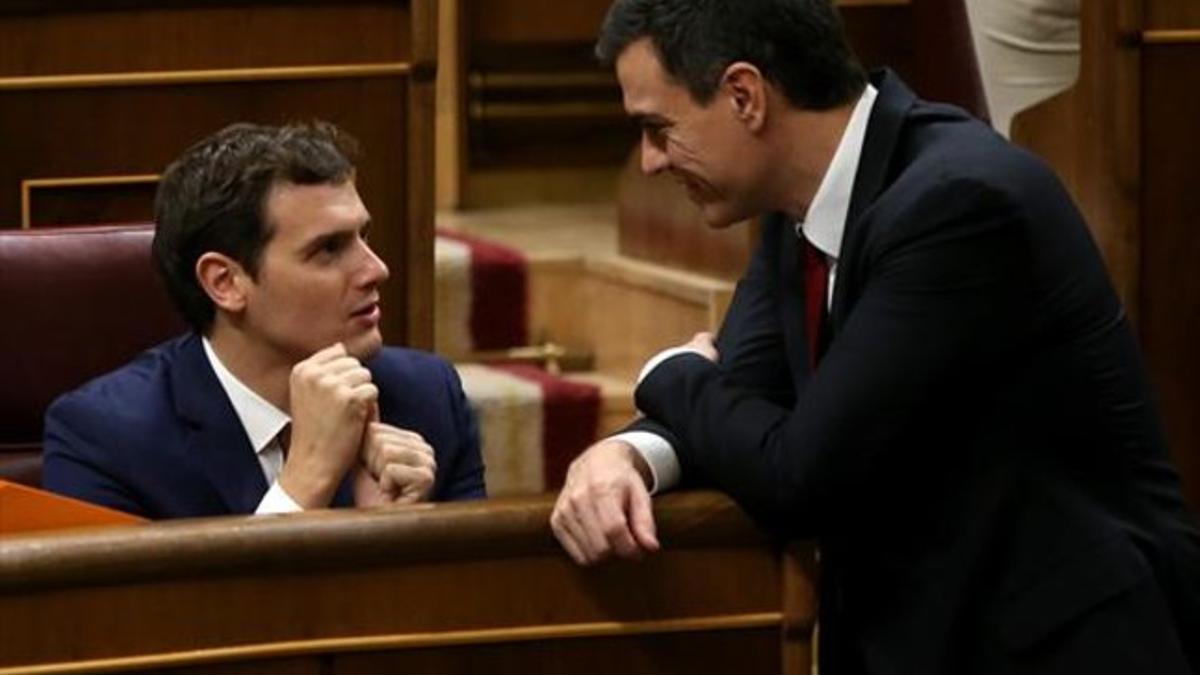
654	159
375	271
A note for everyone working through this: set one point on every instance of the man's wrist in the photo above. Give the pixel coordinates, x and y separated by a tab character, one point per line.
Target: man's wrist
638	462
656	459
310	490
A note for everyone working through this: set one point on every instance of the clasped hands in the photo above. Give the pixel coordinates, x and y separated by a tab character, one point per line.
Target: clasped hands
604	507
336	429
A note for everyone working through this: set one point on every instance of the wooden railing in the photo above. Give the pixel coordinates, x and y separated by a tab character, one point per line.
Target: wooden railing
440	588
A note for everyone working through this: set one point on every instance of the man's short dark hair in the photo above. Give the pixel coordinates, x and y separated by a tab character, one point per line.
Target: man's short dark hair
799	45
213	198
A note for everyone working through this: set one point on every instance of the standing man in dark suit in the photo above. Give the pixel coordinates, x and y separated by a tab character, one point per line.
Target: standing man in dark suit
925	366
283	398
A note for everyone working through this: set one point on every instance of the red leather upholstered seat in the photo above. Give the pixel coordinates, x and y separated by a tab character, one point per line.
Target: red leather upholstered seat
74	303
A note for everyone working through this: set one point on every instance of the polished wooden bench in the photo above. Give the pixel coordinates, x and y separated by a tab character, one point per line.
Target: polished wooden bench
473	587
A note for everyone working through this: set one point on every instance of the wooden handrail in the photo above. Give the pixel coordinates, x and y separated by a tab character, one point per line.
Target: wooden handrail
218	546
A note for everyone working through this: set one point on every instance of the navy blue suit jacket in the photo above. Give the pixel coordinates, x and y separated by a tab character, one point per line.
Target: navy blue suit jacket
977	451
159	438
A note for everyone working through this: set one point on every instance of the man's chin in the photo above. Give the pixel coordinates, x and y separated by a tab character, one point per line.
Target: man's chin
717	219
364	345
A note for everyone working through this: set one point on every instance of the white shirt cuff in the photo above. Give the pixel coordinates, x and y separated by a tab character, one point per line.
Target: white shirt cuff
277	501
659	455
663	356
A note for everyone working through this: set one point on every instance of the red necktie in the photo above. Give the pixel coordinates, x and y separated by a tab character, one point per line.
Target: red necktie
816	288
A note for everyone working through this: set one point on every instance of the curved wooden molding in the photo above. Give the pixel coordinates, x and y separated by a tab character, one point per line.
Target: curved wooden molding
143	79
406	641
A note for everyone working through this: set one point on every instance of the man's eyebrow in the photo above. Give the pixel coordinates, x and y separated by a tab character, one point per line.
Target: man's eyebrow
649	119
318	242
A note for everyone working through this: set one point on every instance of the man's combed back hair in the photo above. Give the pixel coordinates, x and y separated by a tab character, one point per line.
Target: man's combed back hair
213	198
799	45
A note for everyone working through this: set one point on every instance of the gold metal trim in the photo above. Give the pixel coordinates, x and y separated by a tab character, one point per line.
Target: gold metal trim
30	184
555	358
1170	37
406	641
143	79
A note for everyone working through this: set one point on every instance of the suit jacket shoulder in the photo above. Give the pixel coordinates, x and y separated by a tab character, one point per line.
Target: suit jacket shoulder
120	441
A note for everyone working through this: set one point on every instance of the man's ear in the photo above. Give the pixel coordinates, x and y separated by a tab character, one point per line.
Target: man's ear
746	90
224	280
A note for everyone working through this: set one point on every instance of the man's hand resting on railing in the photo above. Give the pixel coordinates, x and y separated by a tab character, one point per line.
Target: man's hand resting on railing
604	507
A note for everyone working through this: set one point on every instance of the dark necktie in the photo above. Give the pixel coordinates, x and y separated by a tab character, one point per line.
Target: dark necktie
284	438
816	289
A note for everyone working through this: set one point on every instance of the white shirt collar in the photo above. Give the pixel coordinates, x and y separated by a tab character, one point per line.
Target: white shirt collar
261	419
825	222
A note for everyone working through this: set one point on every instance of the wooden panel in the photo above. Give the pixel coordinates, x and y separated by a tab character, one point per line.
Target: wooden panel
451	150
443	586
83	201
646	308
747	652
1170	285
1172	14
518	21
294	666
202	35
414	318
881	35
1091	136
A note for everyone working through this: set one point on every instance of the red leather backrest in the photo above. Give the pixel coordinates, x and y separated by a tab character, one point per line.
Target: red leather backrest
74	303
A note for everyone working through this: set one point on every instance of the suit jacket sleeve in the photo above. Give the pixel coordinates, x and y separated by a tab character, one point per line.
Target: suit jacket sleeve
74	456
939	300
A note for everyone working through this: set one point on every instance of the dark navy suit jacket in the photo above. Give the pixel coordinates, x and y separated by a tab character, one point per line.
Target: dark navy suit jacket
977	451
159	438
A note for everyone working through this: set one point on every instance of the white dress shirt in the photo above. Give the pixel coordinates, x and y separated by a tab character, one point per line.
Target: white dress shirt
262	422
823	226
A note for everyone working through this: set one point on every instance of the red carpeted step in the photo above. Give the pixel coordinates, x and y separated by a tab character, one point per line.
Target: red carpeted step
497	292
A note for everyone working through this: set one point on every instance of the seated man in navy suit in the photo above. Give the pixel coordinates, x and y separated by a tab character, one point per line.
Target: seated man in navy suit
283	397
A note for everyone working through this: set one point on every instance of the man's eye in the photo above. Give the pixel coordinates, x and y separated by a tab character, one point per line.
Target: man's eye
330	246
656	134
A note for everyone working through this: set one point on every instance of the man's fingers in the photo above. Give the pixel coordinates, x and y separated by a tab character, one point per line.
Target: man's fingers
641	519
590	530
615	527
566	537
379	451
407	484
385	429
703	343
575	527
365	394
329	353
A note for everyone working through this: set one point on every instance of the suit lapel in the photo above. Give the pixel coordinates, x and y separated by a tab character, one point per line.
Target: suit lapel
217	441
883	131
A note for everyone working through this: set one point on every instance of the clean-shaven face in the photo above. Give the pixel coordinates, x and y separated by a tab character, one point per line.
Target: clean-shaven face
318	280
706	148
